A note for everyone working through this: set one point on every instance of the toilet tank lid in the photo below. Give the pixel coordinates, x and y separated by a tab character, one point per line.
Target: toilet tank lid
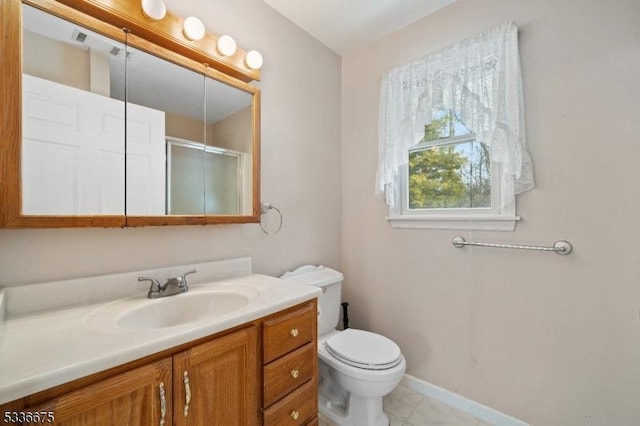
319	276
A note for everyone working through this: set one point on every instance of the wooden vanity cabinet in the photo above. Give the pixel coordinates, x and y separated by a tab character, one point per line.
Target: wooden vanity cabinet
264	372
213	383
131	398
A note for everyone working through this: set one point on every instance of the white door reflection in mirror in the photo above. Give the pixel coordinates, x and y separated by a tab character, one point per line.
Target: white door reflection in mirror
73	153
72	125
72	150
145	161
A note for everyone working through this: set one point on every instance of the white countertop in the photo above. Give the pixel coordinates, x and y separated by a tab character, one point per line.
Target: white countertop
46	349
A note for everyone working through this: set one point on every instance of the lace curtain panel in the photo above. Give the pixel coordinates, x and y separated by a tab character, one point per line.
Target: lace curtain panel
478	78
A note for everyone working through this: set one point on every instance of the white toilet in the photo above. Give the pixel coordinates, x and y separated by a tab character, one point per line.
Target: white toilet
356	368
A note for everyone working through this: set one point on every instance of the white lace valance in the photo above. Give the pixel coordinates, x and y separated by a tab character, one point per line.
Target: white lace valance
478	78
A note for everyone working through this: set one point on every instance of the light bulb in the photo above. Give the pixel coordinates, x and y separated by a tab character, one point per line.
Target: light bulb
193	28
154	9
226	46
253	60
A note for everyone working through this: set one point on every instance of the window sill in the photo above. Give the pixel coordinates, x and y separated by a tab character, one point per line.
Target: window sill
466	222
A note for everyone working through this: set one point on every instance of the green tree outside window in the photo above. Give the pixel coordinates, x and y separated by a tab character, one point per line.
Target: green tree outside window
449	175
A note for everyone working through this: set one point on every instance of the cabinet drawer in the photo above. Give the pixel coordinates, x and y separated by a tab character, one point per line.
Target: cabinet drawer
287	373
289	331
313	422
295	409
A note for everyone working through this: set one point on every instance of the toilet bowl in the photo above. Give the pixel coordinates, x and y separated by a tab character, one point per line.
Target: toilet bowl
364	381
356	367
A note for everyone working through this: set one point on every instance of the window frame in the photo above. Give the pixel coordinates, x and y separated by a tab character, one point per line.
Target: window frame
499	217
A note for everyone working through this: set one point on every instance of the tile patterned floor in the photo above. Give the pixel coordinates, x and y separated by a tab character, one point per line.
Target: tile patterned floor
406	407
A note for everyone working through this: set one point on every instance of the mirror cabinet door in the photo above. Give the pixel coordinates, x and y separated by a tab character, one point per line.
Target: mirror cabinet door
165	114
73	129
229	158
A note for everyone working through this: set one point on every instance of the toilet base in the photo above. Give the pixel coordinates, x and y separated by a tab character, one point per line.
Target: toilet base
358	412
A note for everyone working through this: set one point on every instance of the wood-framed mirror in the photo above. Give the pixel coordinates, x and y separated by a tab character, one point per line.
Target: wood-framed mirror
112	120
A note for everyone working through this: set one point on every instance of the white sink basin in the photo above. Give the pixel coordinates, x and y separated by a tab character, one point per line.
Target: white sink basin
140	313
181	309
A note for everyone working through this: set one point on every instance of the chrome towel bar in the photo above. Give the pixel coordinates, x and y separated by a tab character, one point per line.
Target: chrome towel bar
559	247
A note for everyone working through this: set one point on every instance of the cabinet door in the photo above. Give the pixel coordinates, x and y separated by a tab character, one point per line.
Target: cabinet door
216	383
138	397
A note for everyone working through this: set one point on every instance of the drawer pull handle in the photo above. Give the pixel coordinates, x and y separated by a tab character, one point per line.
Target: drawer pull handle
295	374
295	415
163	404
187	391
294	332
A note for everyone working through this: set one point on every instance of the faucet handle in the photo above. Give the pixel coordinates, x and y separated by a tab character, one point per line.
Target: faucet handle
192	271
183	277
155	285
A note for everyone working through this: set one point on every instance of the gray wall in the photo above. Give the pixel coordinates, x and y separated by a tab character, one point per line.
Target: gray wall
549	339
300	171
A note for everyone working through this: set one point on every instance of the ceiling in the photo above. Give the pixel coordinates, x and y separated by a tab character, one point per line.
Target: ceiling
346	25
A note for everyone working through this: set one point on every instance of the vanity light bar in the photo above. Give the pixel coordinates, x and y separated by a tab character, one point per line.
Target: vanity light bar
194	30
151	21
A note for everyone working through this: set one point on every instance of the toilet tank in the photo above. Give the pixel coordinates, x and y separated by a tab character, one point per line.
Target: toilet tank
330	281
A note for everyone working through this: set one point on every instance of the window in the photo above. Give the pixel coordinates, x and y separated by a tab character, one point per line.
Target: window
452	149
448	181
449	169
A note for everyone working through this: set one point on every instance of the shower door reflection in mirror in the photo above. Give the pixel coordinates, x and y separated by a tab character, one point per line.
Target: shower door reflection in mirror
219	183
229	139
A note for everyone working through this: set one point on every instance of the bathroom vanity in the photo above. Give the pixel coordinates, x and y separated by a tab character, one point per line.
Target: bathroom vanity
245	356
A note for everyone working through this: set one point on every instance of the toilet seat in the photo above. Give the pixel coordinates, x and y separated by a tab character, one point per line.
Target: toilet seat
363	349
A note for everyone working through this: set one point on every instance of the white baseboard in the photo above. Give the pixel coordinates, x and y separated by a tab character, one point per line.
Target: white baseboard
461	403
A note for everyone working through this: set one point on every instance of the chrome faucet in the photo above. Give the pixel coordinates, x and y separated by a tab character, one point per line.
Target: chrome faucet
173	286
